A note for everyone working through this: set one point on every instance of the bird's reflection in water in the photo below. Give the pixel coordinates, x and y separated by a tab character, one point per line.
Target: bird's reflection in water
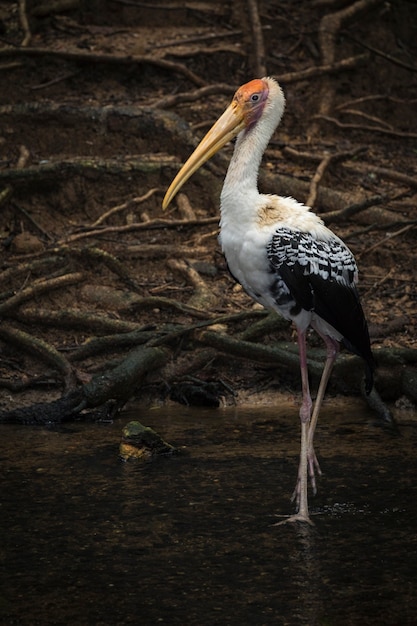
308	575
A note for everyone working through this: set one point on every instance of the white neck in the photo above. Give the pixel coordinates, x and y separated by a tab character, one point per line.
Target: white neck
247	156
240	186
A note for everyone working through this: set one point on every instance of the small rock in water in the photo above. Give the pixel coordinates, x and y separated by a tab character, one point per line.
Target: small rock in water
142	443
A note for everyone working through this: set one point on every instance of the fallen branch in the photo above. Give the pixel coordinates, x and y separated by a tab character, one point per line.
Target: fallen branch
51	7
203	297
329	28
255	351
53	170
270	323
400	177
382	54
366	116
5	194
348	371
113	59
149	225
117	385
55	81
97	255
32	382
257	39
184	207
290	77
357	167
328	199
108	343
121	382
323	70
393	326
14	272
185	41
372	98
130	204
124	333
334	217
366	127
159	301
40	349
192	96
387	237
13	65
160	251
21	163
73	318
24	23
396	356
315	181
39	287
228	49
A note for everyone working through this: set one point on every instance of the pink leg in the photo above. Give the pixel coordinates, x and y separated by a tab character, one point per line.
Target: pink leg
300	493
308	461
332	350
305	410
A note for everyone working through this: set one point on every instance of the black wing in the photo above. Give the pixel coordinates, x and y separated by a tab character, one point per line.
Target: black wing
320	276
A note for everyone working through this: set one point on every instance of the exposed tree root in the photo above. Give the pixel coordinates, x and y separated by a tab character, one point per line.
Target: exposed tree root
90	57
37	288
330	27
117	385
41	349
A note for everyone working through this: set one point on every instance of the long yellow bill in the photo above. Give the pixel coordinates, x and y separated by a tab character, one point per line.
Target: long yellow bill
226	128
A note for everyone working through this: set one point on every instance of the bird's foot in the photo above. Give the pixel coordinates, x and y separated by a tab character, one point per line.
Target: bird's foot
297	517
313	467
296	493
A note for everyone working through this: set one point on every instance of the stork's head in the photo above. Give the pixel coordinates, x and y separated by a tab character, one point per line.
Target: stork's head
249	101
260	98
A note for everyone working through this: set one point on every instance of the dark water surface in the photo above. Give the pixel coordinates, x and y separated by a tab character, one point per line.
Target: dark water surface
87	539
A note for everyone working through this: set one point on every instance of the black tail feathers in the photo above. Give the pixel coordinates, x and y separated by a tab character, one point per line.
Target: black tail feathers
369	375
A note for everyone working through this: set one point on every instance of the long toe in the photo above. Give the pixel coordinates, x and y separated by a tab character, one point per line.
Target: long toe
313	467
296	494
297	517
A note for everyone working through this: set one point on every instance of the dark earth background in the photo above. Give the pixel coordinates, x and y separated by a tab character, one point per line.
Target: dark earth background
101	101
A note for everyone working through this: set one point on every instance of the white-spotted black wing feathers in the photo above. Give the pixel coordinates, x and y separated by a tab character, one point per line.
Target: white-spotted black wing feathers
329	259
320	275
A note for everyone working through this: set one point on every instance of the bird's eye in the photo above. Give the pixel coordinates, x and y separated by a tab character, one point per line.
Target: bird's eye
254	97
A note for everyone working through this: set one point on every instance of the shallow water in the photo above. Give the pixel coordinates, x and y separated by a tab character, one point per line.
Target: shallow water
189	539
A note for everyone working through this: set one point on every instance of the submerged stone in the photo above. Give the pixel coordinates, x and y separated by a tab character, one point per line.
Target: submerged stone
142	443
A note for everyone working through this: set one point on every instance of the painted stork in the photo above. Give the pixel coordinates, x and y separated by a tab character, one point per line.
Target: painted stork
283	255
